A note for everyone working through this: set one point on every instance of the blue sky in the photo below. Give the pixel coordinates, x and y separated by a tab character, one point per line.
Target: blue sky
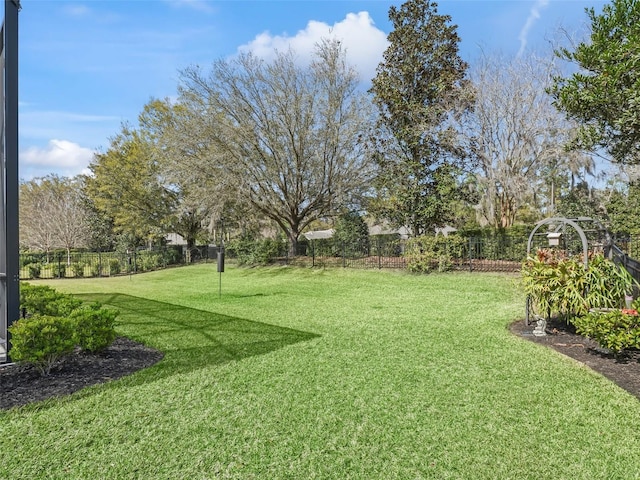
88	66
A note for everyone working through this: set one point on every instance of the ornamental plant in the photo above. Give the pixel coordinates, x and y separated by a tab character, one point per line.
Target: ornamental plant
94	327
54	324
41	341
557	284
43	300
429	253
616	329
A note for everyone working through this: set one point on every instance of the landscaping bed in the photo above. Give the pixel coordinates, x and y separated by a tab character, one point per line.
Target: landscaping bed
23	384
623	370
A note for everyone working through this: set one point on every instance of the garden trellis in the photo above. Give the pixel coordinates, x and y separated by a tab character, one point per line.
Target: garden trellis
573	236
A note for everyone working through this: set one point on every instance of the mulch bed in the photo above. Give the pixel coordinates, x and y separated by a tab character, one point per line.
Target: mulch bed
22	384
623	370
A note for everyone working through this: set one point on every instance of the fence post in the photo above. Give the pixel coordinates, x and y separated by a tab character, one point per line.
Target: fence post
313	253
470	254
379	252
344	257
59	265
99	263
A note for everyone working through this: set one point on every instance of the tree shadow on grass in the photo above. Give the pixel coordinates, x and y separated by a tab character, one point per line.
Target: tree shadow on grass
192	339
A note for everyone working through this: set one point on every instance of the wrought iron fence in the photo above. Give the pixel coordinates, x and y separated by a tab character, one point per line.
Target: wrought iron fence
498	254
60	264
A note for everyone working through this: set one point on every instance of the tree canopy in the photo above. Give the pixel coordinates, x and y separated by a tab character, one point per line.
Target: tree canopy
288	137
53	214
125	185
604	95
419	85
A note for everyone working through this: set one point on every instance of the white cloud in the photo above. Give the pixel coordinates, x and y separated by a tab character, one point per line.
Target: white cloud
534	15
59	156
364	43
92	130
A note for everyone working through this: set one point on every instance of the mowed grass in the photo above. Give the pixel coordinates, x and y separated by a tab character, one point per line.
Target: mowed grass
332	374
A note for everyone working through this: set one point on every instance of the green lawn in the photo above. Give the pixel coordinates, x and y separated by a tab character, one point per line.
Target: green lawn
333	374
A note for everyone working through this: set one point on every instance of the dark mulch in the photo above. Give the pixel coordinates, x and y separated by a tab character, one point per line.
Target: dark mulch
21	384
624	370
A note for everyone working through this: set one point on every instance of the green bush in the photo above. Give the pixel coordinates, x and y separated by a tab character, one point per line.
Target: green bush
43	300
56	323
114	266
615	329
256	252
429	252
561	285
149	261
59	270
78	269
35	269
42	341
94	327
96	269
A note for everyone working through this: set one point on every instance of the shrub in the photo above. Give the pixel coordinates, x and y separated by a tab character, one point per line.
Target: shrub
41	341
616	330
43	300
96	269
35	269
149	261
77	269
557	284
429	252
59	270
256	252
94	327
114	266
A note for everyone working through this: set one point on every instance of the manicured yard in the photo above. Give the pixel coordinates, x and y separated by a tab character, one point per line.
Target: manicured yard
333	374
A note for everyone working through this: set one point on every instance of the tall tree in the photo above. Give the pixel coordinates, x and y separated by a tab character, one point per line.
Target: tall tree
419	86
623	208
604	95
180	150
517	137
287	137
53	214
126	186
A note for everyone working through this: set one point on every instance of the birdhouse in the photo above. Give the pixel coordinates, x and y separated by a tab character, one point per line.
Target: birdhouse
554	238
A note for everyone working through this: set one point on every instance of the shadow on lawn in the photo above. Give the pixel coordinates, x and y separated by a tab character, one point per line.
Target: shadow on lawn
191	339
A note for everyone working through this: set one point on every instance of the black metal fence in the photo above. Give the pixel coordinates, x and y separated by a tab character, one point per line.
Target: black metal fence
60	264
497	254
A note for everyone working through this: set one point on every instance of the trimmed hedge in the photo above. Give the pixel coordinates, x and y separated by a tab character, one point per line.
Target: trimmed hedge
55	324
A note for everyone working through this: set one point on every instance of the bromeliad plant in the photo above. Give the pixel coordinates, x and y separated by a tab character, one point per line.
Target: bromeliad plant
557	284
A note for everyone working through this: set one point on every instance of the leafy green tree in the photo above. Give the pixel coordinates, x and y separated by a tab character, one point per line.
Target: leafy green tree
285	137
581	201
623	209
126	186
181	152
419	87
604	95
351	234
